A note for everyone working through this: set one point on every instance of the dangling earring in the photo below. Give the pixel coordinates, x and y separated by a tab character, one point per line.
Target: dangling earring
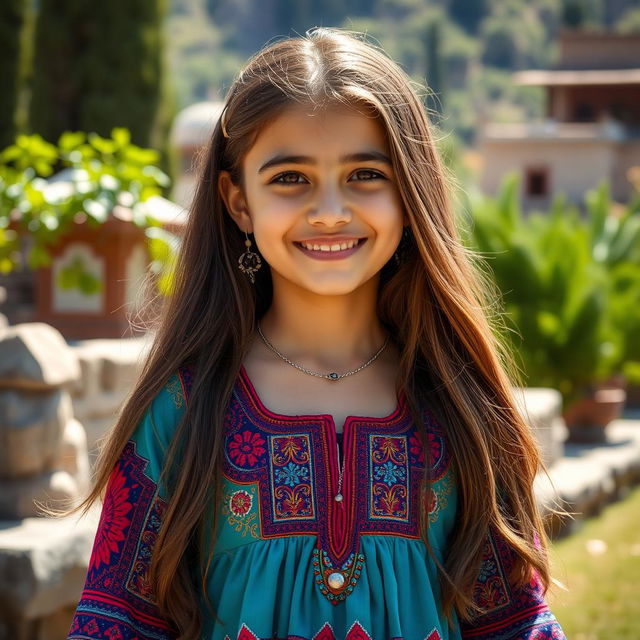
249	261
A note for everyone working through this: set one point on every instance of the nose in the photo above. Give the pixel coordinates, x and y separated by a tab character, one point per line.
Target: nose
329	208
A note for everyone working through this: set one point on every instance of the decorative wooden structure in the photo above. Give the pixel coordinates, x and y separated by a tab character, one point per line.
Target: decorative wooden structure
116	254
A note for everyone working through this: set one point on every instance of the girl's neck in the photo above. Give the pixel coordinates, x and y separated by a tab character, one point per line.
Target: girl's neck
333	333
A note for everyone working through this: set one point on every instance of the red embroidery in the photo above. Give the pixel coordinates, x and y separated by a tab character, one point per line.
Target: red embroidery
246	448
114	520
356	632
240	503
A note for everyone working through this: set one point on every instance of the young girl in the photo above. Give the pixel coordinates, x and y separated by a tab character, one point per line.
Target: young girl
323	442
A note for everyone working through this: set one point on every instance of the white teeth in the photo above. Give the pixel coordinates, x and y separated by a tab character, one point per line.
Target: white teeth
334	247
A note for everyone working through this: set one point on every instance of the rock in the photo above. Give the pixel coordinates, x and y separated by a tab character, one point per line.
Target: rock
73	455
20	498
34	355
542	410
43	565
31	427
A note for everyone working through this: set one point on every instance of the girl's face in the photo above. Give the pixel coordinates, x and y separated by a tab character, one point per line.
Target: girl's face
321	197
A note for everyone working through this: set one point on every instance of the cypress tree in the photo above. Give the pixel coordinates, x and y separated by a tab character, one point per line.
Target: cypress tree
468	13
98	65
434	66
12	13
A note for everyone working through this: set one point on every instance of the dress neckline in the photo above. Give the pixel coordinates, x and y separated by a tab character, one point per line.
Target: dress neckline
395	416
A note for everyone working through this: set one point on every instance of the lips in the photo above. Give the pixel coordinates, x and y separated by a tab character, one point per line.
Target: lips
330	244
327	254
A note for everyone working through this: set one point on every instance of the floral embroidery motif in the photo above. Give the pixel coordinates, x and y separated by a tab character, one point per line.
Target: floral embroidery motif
491	590
114	520
240	503
291	474
389	490
246	448
441	491
291	477
117	600
237	509
356	632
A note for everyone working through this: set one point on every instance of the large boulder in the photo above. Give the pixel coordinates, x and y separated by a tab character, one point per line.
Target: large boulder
35	356
31	428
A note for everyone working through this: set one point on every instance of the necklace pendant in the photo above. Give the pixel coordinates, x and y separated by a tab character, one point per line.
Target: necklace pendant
338	497
333	375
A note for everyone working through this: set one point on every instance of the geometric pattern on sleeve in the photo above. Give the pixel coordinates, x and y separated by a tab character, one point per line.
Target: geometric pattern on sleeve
510	613
117	601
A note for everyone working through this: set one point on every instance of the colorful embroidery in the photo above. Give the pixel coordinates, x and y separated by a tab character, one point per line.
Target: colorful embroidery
356	632
139	581
246	449
326	573
237	507
174	388
439	496
510	612
291	477
117	601
389	474
114	521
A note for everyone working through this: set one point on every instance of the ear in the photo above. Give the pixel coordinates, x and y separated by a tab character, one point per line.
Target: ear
234	201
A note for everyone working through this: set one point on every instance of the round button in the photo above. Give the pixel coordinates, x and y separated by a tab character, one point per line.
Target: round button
335	580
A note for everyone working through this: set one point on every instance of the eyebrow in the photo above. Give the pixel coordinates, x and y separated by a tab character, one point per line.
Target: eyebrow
363	156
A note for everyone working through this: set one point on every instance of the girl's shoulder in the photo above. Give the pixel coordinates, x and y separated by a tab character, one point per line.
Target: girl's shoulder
156	429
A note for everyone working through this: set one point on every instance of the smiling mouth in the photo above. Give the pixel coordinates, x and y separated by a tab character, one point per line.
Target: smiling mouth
336	247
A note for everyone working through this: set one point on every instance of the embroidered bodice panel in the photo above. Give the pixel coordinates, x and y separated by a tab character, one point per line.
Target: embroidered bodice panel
281	477
291	562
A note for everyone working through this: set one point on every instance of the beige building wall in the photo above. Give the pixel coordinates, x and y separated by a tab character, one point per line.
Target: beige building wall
573	166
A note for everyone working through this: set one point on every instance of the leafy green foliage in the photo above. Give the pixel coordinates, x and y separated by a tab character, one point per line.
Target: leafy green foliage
103	174
570	285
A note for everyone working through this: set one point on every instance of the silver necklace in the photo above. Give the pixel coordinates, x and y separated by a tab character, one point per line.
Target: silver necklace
338	496
328	376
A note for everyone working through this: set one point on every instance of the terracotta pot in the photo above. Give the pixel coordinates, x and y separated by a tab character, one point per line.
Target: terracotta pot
588	417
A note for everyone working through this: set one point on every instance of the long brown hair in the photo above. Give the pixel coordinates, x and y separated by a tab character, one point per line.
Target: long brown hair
434	303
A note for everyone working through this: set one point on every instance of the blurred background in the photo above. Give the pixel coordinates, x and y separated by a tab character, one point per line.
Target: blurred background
104	110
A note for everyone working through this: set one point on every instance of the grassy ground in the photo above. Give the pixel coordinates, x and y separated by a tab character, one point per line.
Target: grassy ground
600	566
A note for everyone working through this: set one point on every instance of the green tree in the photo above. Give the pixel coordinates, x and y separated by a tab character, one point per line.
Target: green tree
12	14
581	13
434	66
99	65
468	13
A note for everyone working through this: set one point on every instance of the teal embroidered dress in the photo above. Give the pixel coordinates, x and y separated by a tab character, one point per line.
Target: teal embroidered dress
295	558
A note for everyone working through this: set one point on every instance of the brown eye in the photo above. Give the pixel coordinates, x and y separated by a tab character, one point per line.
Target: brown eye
368	174
289	177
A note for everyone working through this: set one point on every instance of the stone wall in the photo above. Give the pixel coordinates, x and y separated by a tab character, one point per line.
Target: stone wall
56	402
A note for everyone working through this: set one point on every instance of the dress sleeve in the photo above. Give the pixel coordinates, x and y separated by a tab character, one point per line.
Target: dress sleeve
117	600
511	613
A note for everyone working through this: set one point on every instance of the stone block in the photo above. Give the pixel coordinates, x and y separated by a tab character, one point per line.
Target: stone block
542	409
31	427
20	497
43	565
74	457
34	355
